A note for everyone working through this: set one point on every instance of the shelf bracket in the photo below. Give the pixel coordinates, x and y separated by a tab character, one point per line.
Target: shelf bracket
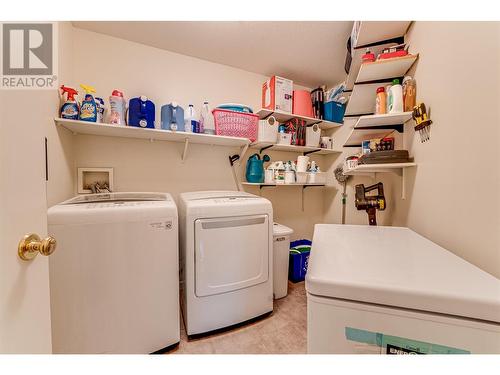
243	150
304	188
184	153
311	152
265	148
403	184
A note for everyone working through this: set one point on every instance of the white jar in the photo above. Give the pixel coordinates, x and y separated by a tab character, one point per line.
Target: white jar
396	97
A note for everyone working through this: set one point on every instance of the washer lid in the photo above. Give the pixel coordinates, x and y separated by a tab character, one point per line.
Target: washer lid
281	230
114	197
398	267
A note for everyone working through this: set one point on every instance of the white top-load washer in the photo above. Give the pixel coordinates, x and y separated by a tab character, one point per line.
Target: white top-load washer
226	241
390	290
114	278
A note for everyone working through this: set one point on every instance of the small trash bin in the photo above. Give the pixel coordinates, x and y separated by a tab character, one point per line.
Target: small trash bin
299	259
281	247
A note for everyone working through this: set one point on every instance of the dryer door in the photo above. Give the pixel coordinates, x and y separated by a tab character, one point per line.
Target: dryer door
231	253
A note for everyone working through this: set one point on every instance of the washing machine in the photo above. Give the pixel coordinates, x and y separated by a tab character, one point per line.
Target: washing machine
114	281
388	290
226	242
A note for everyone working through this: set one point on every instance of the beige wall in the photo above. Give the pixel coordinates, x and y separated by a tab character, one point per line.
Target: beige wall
109	63
453	193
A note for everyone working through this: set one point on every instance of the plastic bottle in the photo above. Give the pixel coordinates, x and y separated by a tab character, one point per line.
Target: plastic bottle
117	108
207	124
69	109
381	106
396	97
387	97
190	120
409	93
99	102
88	109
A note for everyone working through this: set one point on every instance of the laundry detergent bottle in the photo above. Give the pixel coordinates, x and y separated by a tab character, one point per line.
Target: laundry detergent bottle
117	108
69	109
88	109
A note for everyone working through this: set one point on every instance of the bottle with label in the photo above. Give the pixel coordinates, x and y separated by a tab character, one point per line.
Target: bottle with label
70	109
99	102
117	108
396	97
88	109
190	119
409	93
381	106
207	124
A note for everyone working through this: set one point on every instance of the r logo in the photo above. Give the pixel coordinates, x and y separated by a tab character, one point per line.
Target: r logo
27	49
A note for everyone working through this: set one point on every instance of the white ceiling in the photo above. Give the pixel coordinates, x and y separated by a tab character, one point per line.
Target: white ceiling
309	53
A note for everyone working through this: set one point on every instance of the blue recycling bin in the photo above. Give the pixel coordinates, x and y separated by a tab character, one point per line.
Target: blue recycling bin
298	260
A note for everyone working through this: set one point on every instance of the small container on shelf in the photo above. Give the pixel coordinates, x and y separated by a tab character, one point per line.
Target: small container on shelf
334	111
236	124
316	177
268	130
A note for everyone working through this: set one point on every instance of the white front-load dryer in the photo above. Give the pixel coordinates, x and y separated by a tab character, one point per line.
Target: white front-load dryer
114	279
226	242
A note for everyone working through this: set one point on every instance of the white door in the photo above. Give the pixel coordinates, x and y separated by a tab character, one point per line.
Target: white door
231	253
24	285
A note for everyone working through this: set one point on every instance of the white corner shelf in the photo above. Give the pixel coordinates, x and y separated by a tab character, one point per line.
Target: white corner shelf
377	31
373	169
283	117
357	61
109	130
385	68
357	136
291	148
377	168
382	120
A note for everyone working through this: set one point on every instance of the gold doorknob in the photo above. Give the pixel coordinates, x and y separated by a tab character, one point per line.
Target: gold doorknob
31	245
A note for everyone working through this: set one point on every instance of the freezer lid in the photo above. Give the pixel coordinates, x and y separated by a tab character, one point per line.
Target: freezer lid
398	267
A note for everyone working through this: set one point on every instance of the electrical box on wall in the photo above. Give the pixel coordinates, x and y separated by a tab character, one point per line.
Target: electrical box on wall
90	176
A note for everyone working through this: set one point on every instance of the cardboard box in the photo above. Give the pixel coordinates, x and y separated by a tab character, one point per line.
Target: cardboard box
277	94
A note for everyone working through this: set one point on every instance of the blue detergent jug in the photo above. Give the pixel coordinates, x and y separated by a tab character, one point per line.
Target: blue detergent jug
255	168
141	112
172	117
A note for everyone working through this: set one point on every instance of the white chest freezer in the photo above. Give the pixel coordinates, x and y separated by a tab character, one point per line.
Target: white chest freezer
390	290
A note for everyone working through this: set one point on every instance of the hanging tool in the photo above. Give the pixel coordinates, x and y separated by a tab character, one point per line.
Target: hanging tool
370	203
422	121
233	159
342	179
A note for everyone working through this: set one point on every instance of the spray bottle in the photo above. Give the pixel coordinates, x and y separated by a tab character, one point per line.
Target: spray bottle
69	109
88	109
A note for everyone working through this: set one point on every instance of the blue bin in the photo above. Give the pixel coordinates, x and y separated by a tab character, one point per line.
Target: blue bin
333	111
298	261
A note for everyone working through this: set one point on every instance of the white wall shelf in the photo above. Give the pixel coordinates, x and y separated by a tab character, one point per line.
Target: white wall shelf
372	170
263	184
362	99
382	120
357	136
377	31
283	117
291	148
385	68
108	130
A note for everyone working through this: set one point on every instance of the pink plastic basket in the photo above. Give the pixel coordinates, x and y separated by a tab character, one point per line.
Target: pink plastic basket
236	124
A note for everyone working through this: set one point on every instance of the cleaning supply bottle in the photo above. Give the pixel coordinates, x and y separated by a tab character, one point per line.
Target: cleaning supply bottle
207	125
409	93
69	109
117	108
88	109
387	97
396	97
190	120
381	106
99	102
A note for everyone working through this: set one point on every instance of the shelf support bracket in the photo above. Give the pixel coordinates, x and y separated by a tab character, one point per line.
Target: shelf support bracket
264	149
243	150
186	145
311	152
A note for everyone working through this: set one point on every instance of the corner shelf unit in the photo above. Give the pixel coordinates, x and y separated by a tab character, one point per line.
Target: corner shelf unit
373	169
262	146
371	76
109	130
376	126
283	117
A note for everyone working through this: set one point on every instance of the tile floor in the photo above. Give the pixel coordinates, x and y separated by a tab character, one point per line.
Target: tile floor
282	332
